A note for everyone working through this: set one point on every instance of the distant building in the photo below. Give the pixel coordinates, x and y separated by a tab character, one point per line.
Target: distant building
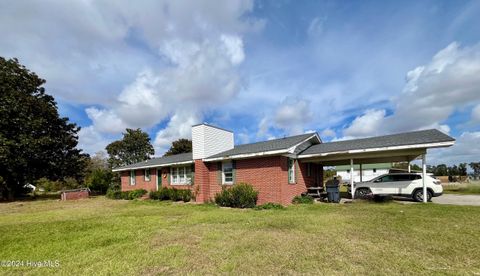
369	171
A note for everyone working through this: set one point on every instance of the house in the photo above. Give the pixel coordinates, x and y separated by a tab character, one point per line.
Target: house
279	169
366	173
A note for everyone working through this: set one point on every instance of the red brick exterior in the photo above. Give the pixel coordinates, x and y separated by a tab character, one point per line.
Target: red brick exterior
268	175
72	195
140	182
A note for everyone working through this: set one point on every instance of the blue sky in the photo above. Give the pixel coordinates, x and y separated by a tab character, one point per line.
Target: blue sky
263	69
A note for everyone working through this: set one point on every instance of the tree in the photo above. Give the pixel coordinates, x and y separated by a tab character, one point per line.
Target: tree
134	147
179	146
462	169
475	166
99	176
35	141
441	170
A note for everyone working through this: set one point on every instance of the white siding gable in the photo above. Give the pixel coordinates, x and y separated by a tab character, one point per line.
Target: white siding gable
208	140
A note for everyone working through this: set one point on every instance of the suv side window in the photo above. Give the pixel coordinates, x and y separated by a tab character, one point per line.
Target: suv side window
386	178
401	177
415	177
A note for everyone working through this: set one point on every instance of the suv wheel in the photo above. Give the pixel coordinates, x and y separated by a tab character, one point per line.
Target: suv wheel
418	195
362	193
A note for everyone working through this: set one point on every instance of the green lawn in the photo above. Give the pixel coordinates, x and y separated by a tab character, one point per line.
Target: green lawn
462	188
100	236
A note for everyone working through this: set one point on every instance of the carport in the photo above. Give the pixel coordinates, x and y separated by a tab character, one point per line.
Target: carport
403	147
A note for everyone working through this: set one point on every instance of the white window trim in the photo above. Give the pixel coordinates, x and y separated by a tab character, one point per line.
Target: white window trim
188	181
132	178
291	181
223	173
145	175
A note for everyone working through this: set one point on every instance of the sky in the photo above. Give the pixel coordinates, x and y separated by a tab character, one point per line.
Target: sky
263	69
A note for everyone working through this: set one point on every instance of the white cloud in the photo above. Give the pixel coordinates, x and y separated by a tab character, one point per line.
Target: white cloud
179	126
465	150
369	124
476	114
105	120
327	133
315	28
91	141
139	63
291	116
432	93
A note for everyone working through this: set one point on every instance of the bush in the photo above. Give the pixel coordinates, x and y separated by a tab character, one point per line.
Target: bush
172	194
48	185
135	194
239	196
128	195
114	194
270	205
99	180
304	199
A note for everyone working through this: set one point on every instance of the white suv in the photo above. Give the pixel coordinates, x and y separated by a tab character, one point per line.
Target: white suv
399	184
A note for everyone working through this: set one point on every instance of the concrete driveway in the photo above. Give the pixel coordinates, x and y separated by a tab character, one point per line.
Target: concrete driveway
449	199
453	199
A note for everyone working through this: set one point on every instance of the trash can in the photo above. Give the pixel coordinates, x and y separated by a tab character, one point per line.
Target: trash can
333	192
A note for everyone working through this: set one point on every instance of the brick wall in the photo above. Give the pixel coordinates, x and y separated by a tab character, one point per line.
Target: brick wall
140	182
268	175
72	195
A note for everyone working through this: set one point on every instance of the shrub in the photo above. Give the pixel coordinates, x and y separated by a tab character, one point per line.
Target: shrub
304	199
239	196
135	194
128	195
114	194
172	194
270	205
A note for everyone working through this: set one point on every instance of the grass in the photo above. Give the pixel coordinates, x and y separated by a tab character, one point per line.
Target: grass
462	188
101	236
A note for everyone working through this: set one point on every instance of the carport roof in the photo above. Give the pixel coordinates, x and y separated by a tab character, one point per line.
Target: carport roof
422	137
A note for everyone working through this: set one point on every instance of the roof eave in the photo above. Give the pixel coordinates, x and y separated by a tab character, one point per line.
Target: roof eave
153	166
425	145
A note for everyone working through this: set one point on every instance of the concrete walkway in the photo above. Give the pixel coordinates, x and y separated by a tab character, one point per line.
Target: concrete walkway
453	199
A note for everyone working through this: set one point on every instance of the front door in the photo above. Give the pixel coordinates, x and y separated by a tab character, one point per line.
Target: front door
159	178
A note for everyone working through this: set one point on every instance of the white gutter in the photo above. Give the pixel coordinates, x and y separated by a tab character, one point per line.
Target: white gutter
430	145
246	155
153	166
263	153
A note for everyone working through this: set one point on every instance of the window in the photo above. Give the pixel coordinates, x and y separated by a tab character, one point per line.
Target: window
132	177
309	169
386	178
401	177
147	175
291	171
181	175
227	173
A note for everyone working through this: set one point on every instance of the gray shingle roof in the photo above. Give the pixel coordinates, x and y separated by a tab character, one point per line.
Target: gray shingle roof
182	157
401	139
271	145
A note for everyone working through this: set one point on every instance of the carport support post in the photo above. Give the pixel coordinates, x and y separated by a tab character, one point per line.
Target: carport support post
409	167
361	178
424	175
351	179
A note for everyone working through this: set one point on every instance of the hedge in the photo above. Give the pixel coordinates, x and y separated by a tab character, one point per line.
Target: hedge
128	195
172	194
